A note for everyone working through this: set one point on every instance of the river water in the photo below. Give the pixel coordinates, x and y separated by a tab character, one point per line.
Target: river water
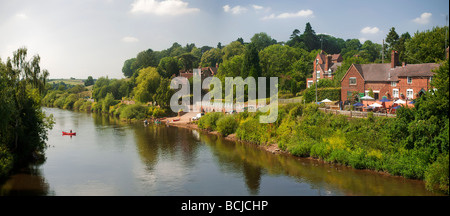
113	158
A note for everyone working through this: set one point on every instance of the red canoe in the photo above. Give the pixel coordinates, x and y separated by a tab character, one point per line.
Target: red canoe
67	133
176	120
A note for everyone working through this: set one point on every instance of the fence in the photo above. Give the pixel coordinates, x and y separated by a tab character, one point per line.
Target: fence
356	114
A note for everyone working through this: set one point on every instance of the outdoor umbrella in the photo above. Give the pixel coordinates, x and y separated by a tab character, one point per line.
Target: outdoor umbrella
358	104
412	102
399	101
396	107
325	101
385	100
367	97
376	105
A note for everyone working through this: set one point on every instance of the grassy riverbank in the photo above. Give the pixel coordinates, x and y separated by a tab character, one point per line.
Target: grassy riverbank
381	144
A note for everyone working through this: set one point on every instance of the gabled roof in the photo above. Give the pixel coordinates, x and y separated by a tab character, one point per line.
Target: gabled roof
415	70
335	57
333	66
383	72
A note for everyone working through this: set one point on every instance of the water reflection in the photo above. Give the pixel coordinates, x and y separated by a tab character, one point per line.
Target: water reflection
112	157
28	181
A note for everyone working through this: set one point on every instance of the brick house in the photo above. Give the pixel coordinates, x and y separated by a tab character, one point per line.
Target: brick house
204	72
324	67
390	80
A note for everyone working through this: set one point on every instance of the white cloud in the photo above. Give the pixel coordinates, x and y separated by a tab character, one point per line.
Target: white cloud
226	8
301	13
370	30
423	19
21	16
257	7
234	10
165	7
129	39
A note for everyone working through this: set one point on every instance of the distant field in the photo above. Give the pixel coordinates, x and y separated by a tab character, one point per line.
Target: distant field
67	81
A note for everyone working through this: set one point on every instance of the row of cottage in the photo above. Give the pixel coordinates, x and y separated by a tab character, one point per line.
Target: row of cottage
393	80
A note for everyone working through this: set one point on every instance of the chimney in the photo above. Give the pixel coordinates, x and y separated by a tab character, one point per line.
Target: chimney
394	59
327	62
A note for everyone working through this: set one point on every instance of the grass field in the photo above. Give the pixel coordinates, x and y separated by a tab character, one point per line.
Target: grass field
67	81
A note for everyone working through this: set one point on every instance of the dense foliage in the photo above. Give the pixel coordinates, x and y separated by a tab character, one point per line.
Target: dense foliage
23	125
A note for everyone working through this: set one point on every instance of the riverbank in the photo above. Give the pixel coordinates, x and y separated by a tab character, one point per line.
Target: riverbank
374	143
185	123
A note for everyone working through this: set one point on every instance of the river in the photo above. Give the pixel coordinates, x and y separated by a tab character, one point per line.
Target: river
114	158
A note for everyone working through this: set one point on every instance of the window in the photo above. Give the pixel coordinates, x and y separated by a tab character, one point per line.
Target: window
395	93
409	80
376	95
310	83
352	80
409	93
393	84
318	74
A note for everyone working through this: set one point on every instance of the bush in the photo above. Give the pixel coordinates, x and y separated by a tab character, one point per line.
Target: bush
77	105
227	125
134	111
209	120
252	131
437	175
158	112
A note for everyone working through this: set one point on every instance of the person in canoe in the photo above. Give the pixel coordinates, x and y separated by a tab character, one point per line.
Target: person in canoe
145	122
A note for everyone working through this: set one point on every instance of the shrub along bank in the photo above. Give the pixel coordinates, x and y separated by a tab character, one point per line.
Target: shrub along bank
376	143
107	105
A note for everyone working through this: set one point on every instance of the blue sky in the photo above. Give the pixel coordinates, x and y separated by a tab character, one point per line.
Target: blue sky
94	37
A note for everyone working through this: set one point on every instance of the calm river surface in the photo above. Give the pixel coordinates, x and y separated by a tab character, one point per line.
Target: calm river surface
109	157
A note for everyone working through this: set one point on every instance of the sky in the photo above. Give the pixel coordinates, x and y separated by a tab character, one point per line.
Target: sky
81	38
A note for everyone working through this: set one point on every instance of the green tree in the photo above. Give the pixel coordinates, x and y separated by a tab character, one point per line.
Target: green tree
168	66
231	68
310	38
147	84
146	58
232	49
262	40
294	39
370	51
211	57
163	94
187	61
401	46
89	81
251	66
127	68
392	39
23	125
427	46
